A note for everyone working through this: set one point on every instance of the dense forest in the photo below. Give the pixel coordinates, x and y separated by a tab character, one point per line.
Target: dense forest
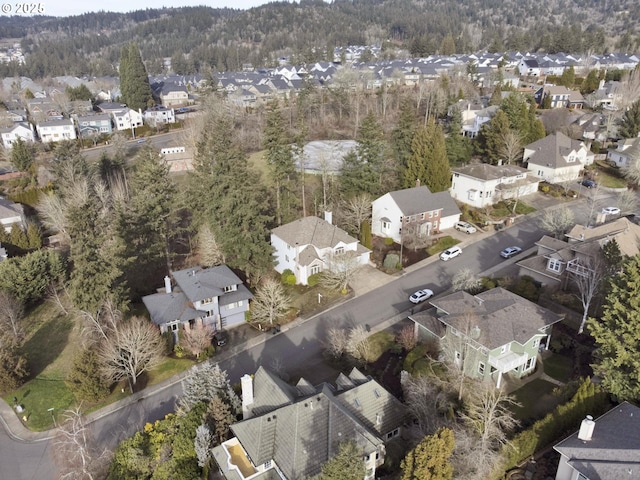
199	39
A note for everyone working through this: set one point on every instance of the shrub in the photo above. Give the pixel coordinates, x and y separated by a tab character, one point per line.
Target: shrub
442	244
168	342
313	280
527	287
417	353
544	188
388	241
288	277
178	351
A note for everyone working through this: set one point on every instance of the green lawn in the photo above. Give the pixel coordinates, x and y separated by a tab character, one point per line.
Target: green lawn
441	245
559	367
536	399
611	181
380	342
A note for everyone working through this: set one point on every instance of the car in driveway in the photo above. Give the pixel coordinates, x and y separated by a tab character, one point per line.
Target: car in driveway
589	184
510	252
465	227
450	253
420	296
611	211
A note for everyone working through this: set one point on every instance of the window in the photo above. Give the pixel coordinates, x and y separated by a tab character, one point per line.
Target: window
230	288
207	300
233	305
529	365
540	173
536	342
393	433
554	265
386	225
481	368
286	258
267	464
315	269
339	250
503	349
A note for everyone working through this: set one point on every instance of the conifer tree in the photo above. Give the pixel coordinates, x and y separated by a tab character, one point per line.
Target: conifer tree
429	460
21	155
134	80
437	171
489	140
347	464
630	125
402	136
617	359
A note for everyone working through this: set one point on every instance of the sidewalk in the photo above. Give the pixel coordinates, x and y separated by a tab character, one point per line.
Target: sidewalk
369	279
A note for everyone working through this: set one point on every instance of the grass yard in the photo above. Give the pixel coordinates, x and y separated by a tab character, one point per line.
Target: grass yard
536	399
611	181
559	367
380	342
441	245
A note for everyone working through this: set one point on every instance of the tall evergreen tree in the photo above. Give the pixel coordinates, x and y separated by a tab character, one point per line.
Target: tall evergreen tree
429	460
617	359
630	126
489	140
459	147
590	83
134	80
21	155
568	77
402	135
428	162
347	464
279	156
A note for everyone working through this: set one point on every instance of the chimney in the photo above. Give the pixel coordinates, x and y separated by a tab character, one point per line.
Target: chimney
328	216
417	182
167	284
586	428
247	395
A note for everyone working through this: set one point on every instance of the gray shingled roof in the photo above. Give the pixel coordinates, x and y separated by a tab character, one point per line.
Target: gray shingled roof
198	283
613	453
502	316
552	150
413	201
168	307
10	209
485	171
312	231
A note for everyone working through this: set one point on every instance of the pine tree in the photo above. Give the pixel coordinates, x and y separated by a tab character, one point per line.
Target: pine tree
630	125
429	460
134	80
590	83
279	157
437	171
420	152
34	236
347	464
402	135
617	360
496	96
459	147
85	380
568	77
21	155
489	140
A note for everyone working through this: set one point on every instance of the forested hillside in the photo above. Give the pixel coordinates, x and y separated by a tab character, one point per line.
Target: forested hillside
200	38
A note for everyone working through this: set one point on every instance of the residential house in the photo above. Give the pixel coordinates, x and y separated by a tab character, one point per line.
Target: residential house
609	95
562	97
472	128
127	119
80	107
557	259
43	109
173	96
529	67
307	246
607	448
16	115
56	130
489	335
11	214
627	152
23	131
94	125
557	158
482	184
413	211
159	115
3	253
212	296
288	432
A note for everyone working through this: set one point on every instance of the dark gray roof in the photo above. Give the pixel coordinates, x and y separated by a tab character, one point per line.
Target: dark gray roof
413	201
485	171
199	283
56	123
501	315
552	150
613	453
168	307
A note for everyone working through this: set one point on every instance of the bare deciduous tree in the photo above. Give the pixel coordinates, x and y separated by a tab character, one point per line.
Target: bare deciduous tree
511	146
75	451
197	338
337	340
340	270
627	201
407	338
60	301
630	89
587	274
465	279
132	349
11	312
209	250
557	220
427	402
270	303
358	344
355	211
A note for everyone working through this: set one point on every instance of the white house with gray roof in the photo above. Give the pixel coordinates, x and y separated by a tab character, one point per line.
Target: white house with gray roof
607	448
11	214
289	432
305	246
417	210
212	296
23	131
488	335
483	184
56	130
625	153
557	158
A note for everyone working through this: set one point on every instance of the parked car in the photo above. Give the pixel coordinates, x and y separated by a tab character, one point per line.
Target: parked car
465	227
421	296
220	339
589	184
611	211
450	253
510	252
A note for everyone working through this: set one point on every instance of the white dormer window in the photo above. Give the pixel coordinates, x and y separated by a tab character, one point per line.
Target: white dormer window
230	288
339	250
554	265
207	300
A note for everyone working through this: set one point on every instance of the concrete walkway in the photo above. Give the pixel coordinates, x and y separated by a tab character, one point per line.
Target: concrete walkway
368	279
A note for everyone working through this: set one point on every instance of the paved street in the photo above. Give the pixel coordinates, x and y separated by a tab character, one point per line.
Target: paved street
299	346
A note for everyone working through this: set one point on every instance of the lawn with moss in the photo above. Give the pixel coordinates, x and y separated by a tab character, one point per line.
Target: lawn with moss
536	398
442	244
559	367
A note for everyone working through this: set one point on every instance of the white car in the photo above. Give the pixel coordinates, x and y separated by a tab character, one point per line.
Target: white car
465	227
450	253
421	296
611	211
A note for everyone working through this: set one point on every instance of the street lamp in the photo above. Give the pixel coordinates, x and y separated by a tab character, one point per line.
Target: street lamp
50	410
319	298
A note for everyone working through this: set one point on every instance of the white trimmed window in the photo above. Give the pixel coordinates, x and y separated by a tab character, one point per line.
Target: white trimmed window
230	288
554	265
339	250
481	368
315	269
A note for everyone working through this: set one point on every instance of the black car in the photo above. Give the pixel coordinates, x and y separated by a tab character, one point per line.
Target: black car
220	339
589	184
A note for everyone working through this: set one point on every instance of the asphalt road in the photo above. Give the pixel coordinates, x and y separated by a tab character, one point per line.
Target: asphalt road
299	350
171	139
